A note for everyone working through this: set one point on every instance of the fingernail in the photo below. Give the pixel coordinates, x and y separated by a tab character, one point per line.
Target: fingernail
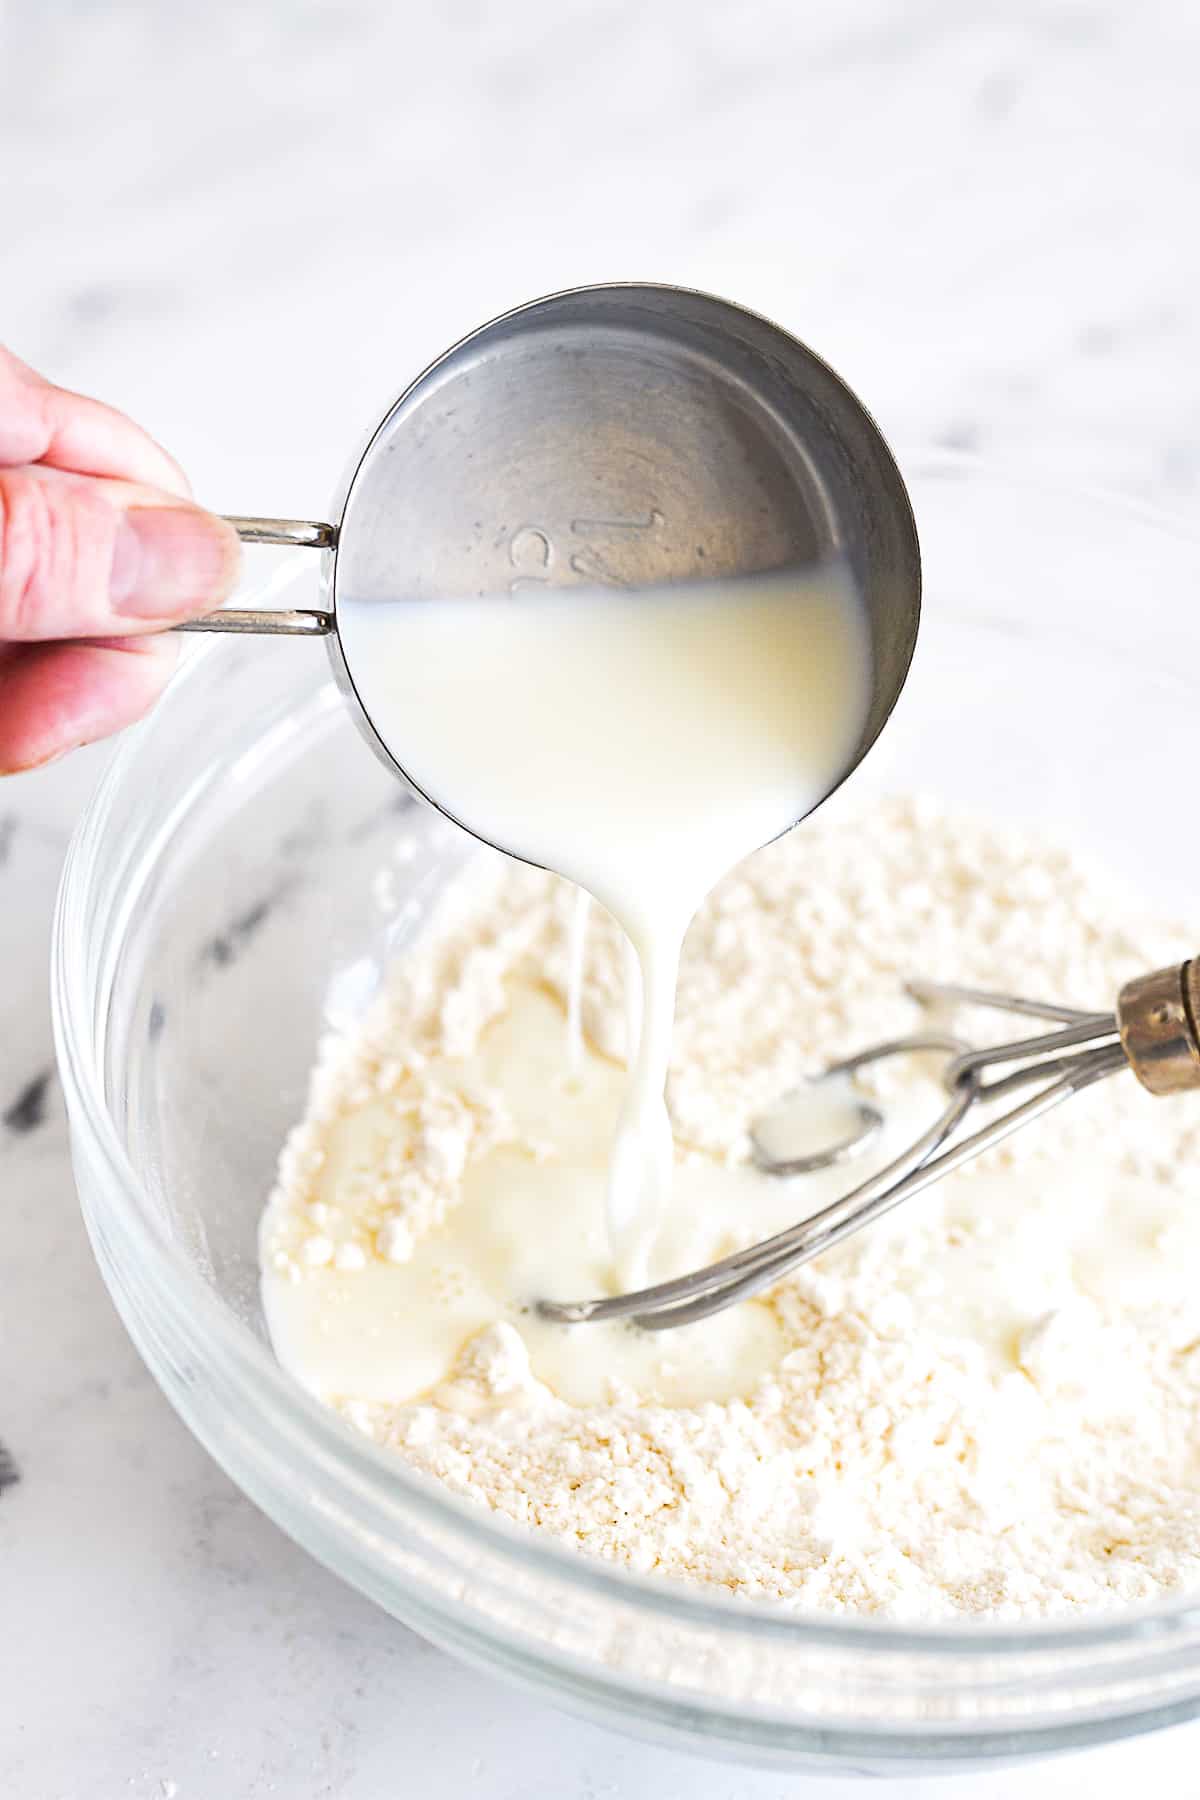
170	562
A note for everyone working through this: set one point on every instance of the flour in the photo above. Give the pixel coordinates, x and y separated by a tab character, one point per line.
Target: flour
985	1405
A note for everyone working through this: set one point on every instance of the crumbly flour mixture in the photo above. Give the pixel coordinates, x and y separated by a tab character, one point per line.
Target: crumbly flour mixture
988	1404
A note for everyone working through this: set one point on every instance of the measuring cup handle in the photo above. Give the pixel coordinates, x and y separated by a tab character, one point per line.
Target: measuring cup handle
263	622
305	534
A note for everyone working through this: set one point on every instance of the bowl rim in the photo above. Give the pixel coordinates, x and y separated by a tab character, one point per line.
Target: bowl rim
75	1011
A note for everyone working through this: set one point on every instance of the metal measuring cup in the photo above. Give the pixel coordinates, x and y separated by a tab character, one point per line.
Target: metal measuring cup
625	435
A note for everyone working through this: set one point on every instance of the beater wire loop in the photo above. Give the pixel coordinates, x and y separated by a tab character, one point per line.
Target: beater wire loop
1085	1048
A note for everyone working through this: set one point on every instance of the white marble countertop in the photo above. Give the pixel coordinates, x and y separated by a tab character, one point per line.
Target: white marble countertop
249	226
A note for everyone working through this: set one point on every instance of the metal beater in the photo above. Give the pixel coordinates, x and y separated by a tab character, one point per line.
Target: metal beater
1154	1030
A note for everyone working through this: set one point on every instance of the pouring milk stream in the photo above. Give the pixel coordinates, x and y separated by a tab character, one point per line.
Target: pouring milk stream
639	743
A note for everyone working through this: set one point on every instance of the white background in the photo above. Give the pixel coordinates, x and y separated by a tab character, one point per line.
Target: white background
250	226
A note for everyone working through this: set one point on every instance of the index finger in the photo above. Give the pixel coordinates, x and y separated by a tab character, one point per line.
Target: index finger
40	423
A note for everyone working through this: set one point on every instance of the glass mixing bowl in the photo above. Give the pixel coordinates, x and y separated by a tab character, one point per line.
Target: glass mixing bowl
235	889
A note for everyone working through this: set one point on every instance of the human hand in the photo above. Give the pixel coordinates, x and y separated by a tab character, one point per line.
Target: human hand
101	548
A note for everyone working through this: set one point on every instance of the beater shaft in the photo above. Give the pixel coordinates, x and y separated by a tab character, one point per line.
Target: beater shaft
1159	1020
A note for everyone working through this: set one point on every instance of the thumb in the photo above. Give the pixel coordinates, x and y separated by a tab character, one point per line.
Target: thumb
87	558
